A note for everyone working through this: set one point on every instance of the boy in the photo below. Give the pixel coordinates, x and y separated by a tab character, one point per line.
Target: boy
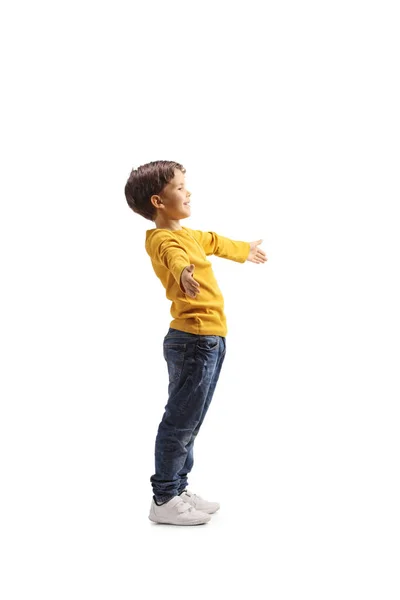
194	346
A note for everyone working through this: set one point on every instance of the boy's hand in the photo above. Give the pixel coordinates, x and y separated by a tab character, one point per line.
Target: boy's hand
190	285
256	255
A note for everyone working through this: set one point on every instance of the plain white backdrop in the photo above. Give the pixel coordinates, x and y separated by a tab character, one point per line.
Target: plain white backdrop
286	117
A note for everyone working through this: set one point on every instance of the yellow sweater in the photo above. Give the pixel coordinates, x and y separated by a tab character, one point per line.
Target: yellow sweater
172	251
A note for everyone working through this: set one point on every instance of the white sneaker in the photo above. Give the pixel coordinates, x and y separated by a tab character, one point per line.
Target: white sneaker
177	512
199	503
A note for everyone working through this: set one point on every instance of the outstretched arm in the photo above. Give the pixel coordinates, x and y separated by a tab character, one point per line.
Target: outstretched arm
213	243
173	256
224	247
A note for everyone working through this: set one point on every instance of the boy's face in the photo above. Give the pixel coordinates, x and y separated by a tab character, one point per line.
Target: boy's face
172	203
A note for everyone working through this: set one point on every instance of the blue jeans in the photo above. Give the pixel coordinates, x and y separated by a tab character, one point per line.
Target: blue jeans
194	364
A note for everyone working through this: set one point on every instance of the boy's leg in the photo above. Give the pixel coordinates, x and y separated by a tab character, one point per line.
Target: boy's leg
183	473
191	361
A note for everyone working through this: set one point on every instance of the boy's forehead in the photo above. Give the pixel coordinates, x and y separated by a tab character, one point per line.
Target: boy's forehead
179	177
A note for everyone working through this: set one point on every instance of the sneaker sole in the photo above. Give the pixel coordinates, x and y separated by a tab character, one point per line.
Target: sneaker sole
166	522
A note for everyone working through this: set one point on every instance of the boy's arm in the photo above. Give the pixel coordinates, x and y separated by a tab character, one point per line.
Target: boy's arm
172	255
223	247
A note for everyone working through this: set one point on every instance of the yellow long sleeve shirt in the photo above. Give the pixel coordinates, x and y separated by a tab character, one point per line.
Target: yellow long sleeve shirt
172	251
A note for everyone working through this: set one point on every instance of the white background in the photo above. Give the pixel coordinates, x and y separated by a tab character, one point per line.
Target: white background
286	117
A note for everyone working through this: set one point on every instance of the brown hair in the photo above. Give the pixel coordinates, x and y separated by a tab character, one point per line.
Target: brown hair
147	180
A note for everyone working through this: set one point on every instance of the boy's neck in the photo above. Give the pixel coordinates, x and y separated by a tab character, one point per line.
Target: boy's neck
162	222
171	228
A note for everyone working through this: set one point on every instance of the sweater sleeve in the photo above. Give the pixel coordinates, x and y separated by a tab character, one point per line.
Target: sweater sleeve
173	256
223	247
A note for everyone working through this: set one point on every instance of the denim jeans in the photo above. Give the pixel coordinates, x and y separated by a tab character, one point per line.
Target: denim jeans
194	364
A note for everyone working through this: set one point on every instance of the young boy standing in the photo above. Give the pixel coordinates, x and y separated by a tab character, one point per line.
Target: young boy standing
195	344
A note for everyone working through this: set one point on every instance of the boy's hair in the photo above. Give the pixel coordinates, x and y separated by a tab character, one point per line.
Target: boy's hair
147	180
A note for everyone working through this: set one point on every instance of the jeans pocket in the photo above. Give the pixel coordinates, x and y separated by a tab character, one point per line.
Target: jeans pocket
174	354
208	342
